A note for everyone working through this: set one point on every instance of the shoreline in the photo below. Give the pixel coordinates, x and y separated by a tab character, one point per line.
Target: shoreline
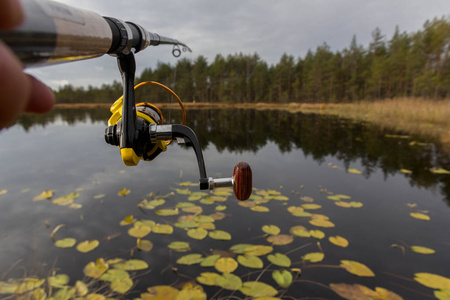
412	116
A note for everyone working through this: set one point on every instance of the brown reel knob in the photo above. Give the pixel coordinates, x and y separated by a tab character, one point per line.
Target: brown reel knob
242	175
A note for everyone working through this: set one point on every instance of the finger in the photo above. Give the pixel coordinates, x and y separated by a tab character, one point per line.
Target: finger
41	98
11	13
14	87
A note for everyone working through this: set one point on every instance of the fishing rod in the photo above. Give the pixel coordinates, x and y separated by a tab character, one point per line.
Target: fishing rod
54	33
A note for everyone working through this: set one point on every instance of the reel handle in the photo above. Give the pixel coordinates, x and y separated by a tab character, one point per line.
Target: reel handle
241	181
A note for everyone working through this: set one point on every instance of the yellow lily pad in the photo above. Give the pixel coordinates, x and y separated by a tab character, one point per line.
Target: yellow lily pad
259	208
422	250
47	194
229	281
282	278
162	229
179	246
139	231
197	233
131	265
311	206
281	239
87	246
144	245
338	241
271	229
354	171
317	234
190	259
226	265
321	223
66	243
357	268
160	292
314	257
258	250
191	292
433	281
208	278
95	269
122	285
420	216
123	192
250	261
220	235
257	289
280	260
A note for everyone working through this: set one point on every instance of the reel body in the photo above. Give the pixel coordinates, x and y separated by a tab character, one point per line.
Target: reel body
140	133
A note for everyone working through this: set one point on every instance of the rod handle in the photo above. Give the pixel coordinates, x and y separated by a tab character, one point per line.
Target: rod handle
242	175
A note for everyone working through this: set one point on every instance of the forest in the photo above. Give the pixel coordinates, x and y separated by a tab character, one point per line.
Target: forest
408	65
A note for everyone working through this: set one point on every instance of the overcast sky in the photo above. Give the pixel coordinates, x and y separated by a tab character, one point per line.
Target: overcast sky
267	27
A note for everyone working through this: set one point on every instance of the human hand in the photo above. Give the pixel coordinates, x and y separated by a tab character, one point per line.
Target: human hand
19	92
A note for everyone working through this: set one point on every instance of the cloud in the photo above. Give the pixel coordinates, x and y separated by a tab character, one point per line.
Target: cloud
269	28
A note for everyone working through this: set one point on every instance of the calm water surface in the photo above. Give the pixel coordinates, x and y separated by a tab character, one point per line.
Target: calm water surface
296	155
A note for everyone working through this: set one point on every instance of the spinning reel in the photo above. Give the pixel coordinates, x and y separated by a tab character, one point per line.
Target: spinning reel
140	133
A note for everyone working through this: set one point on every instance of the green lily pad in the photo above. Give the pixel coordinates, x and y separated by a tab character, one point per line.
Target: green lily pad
179	246
250	261
271	229
209	261
280	260
282	278
66	243
226	265
190	259
122	285
87	246
229	281
208	278
131	265
220	235
197	233
257	289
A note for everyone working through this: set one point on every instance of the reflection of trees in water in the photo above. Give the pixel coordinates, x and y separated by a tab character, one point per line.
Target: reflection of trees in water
238	130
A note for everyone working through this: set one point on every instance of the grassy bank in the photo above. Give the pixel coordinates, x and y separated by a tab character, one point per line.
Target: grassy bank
412	116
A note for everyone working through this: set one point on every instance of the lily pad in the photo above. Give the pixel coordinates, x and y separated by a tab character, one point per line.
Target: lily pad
433	281
179	246
357	268
210	260
338	241
420	216
131	265
87	246
66	243
229	281
220	235
160	292
197	233
208	278
257	289
258	250
162	229
280	260
123	192
250	261
122	285
139	231
226	265
190	259
282	278
281	239
271	229
314	257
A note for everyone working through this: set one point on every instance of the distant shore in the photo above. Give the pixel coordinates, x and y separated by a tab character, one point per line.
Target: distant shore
412	116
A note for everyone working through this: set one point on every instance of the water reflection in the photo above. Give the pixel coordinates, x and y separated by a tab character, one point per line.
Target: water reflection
318	136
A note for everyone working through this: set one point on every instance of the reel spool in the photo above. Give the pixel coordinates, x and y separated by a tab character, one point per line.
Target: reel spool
140	133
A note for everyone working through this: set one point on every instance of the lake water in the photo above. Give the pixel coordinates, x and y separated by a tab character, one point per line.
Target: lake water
296	159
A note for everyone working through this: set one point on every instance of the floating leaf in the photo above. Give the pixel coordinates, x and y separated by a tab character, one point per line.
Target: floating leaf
271	229
280	198
433	281
114	274
229	281
405	171
99	196
321	223
162	229
128	220
131	265
218	216
204	219
66	243
160	292
207	278
258	250
151	204
65	293
280	260
338	197
343	204
20	286
139	231
354	171
281	239
179	246
144	245
58	281
221	207
207	226
314	257
295	209
338	241
420	216
209	261
250	261
300	231
257	289
442	294
357	291
3	192
167	212
188	183
197	233
356	204
422	250
121	286
216	198
186	224
123	192
190	259
240	248
95	269
191	292
356	268
439	171
48	194
317	234
80	287
183	191
282	278
311	206
220	235
259	208
87	246
65	200
193	209
226	265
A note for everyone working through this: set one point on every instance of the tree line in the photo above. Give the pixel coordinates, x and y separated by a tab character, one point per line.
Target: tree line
415	65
